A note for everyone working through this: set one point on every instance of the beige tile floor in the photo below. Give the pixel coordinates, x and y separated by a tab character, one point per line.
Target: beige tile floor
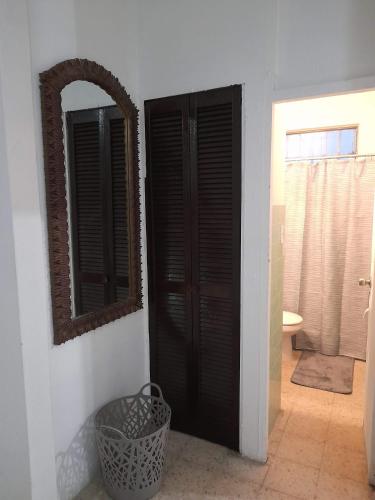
317	446
316	452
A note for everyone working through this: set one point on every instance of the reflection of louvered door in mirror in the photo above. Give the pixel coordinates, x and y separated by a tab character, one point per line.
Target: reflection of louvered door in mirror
119	207
98	207
194	196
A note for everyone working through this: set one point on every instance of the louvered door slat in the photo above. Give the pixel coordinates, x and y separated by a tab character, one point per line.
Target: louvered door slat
170	319
87	210
98	185
216	257
119	209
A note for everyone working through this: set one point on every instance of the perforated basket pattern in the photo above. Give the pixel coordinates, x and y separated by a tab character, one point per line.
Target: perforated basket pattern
131	435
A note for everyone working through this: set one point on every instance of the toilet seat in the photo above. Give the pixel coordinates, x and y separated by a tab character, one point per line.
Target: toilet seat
291	319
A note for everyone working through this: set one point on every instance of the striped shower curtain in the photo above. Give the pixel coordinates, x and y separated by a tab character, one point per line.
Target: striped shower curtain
327	248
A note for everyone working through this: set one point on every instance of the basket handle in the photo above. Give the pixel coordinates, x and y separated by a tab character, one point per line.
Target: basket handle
152	384
113	429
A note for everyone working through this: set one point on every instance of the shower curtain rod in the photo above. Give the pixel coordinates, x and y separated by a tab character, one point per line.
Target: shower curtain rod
310	158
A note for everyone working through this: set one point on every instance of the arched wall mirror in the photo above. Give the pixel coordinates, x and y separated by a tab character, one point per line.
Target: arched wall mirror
92	195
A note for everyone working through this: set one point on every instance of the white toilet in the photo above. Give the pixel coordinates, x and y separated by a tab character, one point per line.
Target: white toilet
292	323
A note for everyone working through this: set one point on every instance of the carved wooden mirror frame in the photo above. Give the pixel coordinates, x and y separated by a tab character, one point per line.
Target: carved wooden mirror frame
51	84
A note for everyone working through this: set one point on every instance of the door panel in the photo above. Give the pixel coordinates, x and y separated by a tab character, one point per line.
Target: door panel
216	259
168	253
194	196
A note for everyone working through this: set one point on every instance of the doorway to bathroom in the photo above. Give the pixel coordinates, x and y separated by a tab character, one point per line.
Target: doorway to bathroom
322	192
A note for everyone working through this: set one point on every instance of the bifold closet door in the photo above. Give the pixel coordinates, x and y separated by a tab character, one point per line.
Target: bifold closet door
194	196
215	152
169	253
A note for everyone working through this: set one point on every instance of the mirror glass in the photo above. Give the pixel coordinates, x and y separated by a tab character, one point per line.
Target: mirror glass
95	132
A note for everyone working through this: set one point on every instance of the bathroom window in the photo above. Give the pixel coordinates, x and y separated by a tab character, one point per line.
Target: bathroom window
321	143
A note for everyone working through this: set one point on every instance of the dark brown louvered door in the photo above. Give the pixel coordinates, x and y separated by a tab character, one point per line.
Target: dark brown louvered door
216	197
210	325
169	254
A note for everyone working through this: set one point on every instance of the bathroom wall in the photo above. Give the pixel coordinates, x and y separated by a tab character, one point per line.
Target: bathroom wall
276	268
276	312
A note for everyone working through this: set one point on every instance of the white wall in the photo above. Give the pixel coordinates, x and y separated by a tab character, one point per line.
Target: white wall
63	385
197	45
111	361
19	125
324	41
15	478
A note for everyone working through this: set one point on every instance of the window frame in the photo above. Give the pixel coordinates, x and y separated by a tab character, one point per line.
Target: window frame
333	128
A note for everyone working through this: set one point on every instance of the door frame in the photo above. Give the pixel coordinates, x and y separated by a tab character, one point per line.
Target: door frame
278	96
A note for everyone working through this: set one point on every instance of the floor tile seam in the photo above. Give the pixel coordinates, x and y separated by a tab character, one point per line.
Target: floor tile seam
277	446
293	497
299	498
322	457
303	436
312	398
344	412
288	417
345	449
299	462
268	469
240	481
320	472
338	476
280	429
206	465
312	408
252	481
323	418
295	462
